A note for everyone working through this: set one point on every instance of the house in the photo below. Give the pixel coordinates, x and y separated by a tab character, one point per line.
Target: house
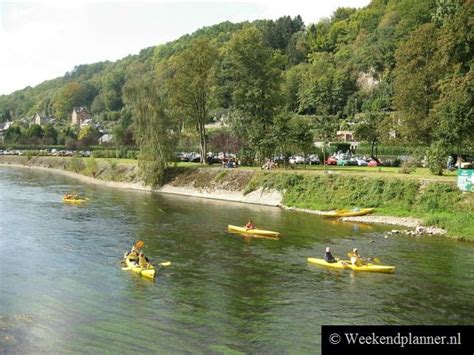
345	136
40	119
106	139
3	128
79	116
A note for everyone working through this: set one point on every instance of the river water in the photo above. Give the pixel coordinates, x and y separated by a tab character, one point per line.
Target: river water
62	289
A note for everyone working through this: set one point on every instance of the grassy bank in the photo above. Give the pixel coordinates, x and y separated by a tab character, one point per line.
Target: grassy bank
438	204
101	169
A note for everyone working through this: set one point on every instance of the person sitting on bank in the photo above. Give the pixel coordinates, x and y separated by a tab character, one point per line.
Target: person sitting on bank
250	225
356	259
329	257
143	261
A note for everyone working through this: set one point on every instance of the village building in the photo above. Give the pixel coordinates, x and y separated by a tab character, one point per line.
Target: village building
40	119
80	116
345	136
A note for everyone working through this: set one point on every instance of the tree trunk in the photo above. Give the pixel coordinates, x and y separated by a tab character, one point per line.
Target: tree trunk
202	141
373	152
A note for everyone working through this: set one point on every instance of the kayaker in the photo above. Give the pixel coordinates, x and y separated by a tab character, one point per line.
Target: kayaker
132	255
328	256
356	259
143	260
250	225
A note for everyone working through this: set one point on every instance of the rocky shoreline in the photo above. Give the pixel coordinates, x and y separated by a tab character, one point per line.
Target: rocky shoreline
415	224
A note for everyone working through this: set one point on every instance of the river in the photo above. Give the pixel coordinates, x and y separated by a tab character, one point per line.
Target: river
62	289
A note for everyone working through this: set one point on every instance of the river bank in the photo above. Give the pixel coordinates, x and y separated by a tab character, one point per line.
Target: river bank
436	208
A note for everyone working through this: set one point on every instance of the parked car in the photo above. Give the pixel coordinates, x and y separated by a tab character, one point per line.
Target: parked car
195	158
313	160
279	159
331	161
361	162
297	159
372	163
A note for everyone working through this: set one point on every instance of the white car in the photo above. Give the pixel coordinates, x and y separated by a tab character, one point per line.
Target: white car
297	159
361	162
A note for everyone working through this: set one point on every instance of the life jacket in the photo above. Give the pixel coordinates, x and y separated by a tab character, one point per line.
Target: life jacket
143	261
133	255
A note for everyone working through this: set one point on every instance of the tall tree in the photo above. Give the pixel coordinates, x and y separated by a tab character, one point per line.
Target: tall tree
254	80
416	78
192	85
455	113
153	127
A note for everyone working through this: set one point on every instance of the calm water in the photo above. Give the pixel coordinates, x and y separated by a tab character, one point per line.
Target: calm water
62	289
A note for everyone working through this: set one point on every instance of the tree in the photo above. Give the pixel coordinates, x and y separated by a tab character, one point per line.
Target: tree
224	141
369	127
192	86
254	80
50	134
325	128
454	113
34	133
73	94
13	134
88	136
324	88
153	127
417	74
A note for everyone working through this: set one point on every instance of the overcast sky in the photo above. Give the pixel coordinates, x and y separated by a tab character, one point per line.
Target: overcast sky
41	40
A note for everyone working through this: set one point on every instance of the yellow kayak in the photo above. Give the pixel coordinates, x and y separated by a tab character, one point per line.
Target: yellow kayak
346	264
347	212
260	232
148	272
74	200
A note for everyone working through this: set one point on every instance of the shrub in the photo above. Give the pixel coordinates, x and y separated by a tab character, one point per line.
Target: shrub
436	155
407	167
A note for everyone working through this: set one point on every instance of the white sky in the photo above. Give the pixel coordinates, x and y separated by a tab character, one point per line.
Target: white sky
43	39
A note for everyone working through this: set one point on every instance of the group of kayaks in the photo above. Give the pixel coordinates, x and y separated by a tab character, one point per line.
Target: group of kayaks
339	264
150	271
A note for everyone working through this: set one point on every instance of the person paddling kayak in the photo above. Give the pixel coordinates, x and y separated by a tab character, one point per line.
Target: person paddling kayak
356	259
143	261
250	225
328	256
132	255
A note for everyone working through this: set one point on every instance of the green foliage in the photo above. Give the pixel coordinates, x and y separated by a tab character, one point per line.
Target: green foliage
75	165
404	64
408	166
438	198
91	167
437	156
154	128
192	85
254	79
88	136
438	204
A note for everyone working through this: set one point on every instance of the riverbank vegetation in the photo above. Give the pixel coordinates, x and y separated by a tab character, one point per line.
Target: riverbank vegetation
396	73
437	202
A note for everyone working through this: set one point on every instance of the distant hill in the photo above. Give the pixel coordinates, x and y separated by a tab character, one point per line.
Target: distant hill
353	62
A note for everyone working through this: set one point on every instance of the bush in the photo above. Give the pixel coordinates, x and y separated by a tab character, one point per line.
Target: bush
91	167
437	157
75	165
407	167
